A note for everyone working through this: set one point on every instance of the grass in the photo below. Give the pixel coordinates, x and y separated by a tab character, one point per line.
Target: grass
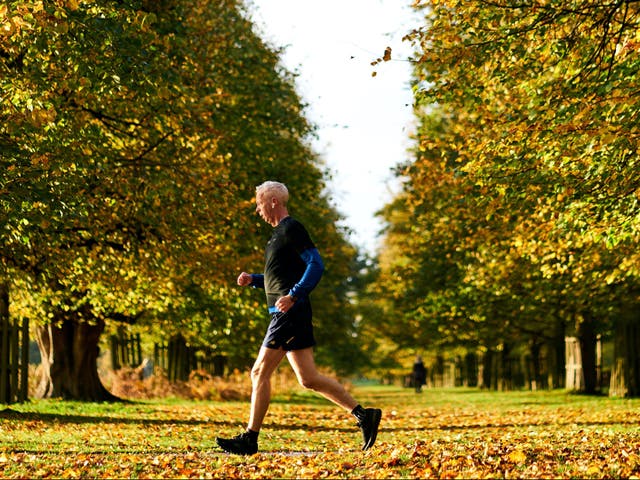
439	433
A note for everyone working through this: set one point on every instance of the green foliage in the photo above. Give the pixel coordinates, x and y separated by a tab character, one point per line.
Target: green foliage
133	134
521	209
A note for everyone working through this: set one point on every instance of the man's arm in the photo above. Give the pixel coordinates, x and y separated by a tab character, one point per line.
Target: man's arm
311	275
308	281
255	280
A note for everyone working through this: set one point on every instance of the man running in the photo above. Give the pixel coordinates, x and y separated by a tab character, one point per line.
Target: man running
293	268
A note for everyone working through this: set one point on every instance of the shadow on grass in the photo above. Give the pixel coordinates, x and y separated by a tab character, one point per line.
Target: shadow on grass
53	418
300	399
211	452
95	419
83	419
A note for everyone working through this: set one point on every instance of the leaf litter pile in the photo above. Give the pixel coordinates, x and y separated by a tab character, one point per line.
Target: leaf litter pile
456	433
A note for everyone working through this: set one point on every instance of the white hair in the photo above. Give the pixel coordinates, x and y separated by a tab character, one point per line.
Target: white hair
277	189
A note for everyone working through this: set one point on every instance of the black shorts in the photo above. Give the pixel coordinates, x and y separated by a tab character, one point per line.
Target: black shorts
292	330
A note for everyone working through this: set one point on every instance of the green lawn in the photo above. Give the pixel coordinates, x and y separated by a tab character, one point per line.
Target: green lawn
438	433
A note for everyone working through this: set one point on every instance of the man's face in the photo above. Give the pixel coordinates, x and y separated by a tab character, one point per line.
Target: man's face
264	207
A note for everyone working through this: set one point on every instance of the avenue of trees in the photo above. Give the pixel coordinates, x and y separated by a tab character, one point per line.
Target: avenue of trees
132	136
519	220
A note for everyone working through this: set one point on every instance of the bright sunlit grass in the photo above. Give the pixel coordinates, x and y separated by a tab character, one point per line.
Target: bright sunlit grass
438	433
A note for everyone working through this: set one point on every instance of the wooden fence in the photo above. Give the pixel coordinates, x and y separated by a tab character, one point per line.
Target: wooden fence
125	350
14	360
178	359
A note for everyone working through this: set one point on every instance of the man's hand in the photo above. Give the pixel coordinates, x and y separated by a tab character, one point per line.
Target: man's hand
285	303
244	279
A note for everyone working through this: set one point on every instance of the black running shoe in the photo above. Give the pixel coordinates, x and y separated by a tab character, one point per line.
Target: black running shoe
240	444
369	426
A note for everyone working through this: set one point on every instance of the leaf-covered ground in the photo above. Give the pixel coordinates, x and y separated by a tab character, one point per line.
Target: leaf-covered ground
438	433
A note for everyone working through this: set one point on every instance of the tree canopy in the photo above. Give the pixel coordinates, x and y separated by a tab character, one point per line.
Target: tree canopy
520	213
132	136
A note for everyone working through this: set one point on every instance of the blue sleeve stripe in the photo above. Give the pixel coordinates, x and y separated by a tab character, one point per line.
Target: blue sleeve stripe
311	275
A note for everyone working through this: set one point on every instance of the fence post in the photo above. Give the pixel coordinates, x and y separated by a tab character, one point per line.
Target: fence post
4	359
138	350
4	345
130	350
160	356
115	364
15	356
123	348
14	361
24	363
171	359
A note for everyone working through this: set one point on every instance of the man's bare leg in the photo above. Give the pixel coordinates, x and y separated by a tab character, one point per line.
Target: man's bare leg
368	418
247	442
305	369
263	368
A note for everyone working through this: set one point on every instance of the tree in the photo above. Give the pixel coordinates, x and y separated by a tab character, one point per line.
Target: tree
128	171
536	98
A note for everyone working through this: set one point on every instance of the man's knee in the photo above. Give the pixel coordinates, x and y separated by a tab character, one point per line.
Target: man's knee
261	372
310	382
258	373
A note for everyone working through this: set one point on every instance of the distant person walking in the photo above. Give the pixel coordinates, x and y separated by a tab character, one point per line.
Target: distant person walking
293	268
419	374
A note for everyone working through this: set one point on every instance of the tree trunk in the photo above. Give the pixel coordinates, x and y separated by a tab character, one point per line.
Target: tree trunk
588	341
471	369
625	374
558	367
69	351
5	384
485	372
438	372
505	370
535	381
